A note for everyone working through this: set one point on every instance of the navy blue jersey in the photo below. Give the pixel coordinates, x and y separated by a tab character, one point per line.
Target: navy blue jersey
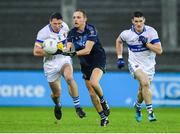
79	40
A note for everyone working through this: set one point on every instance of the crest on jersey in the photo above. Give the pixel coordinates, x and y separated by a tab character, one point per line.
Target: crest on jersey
92	32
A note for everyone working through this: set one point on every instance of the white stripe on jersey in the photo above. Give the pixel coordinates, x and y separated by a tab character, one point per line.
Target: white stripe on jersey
138	53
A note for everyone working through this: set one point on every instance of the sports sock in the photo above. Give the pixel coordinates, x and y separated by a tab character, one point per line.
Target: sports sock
58	104
76	101
138	105
101	99
149	108
102	115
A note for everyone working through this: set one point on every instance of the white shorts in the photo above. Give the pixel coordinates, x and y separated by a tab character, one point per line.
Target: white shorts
149	71
53	65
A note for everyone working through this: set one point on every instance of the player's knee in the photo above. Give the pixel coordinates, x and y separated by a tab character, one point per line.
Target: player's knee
69	79
55	95
145	84
94	83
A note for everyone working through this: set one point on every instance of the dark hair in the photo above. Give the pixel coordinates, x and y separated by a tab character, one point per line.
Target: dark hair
137	14
56	15
82	11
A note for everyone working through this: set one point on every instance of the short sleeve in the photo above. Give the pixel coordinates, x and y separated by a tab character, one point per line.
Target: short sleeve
41	36
123	35
92	34
69	36
154	38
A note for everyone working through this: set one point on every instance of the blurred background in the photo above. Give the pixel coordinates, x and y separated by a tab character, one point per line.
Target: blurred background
21	20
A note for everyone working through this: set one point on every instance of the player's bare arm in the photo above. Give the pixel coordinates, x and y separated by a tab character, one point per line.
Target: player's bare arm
119	52
119	47
87	49
38	51
68	47
155	47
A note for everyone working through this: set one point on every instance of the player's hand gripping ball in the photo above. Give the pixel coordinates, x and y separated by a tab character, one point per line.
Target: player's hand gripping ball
50	46
60	46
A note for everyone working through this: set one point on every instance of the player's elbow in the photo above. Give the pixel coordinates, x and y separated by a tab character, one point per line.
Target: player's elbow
87	52
160	52
36	53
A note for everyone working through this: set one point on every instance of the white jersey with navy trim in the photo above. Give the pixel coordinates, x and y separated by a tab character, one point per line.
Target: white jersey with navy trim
53	63
47	32
138	53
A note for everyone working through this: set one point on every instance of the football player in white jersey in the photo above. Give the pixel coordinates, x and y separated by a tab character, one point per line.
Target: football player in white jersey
143	45
57	65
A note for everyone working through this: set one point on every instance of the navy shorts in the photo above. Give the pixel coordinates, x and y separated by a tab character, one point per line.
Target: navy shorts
87	70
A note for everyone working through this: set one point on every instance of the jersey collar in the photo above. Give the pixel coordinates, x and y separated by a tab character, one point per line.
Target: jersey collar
52	29
85	28
133	29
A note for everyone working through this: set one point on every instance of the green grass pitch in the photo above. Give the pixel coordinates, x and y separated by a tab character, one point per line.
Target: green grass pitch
41	120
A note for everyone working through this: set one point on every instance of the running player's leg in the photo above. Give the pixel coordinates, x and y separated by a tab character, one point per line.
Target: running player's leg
139	95
95	78
145	85
137	105
55	88
146	93
96	102
67	71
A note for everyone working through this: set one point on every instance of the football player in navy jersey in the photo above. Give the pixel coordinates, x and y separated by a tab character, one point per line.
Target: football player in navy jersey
92	58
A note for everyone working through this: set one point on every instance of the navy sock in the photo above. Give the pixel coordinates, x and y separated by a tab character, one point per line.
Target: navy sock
101	99
102	115
149	108
138	105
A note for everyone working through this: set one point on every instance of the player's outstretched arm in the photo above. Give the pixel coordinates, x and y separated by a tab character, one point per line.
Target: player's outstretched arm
89	45
71	54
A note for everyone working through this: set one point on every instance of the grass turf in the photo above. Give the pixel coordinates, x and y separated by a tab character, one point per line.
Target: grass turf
41	120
